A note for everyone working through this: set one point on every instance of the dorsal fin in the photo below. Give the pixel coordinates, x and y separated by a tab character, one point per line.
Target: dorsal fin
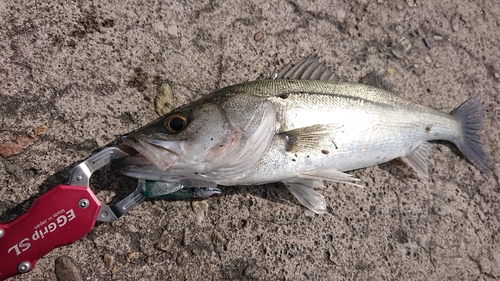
308	68
375	79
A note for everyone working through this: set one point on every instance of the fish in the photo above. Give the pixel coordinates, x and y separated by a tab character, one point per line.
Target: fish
302	126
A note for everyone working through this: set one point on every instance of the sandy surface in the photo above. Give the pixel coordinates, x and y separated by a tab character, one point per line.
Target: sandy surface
89	73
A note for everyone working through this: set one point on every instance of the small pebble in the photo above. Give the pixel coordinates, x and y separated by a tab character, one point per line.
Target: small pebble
454	22
132	228
412	3
109	260
416	65
391	71
195	252
217	242
427	59
155	50
165	242
40	130
426	42
185	238
341	15
437	37
405	43
437	65
399	7
181	259
133	257
351	31
164	100
399	29
397	53
373	21
200	208
214	205
172	30
497	75
380	1
106	195
258	36
66	270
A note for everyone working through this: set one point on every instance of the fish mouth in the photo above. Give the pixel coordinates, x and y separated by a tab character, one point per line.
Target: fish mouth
144	151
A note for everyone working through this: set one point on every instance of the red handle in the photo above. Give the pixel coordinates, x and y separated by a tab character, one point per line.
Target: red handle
60	217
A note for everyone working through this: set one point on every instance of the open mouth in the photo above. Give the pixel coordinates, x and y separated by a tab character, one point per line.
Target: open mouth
147	151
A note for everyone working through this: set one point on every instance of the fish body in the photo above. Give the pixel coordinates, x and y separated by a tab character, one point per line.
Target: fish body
299	131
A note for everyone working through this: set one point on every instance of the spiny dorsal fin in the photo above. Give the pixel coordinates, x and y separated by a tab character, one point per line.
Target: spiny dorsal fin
376	79
308	68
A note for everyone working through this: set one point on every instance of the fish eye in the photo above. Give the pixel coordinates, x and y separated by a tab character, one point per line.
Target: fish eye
175	122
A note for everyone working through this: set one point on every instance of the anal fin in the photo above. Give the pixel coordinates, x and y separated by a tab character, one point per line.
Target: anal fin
417	159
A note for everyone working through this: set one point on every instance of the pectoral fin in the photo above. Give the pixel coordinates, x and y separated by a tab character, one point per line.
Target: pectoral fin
417	159
307	137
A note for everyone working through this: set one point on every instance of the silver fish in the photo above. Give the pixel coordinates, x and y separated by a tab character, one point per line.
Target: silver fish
300	128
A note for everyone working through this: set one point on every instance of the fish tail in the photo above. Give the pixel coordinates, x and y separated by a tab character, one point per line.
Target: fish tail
470	114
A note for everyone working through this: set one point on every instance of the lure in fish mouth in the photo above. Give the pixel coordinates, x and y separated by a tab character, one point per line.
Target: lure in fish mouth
301	128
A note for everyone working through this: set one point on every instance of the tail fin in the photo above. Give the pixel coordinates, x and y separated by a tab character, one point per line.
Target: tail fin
471	116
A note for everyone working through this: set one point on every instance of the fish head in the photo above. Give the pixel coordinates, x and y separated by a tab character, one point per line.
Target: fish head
204	140
190	136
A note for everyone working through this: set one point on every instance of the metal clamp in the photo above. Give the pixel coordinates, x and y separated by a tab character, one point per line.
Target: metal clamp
80	176
111	213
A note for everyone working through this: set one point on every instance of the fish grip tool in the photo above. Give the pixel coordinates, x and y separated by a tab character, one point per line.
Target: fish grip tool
60	217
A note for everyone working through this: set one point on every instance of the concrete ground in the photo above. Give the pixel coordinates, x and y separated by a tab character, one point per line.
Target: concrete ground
75	76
